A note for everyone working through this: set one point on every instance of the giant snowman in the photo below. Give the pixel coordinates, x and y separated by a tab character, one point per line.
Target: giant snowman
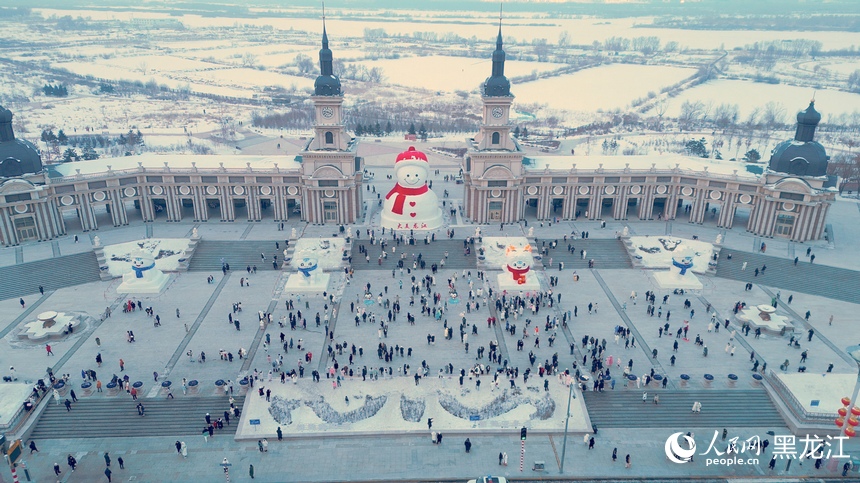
411	205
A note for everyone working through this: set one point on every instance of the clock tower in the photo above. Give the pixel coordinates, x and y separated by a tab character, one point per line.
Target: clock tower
329	133
331	172
495	129
493	166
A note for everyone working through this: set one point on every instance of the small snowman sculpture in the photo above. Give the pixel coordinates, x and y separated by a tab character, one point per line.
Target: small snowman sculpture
519	267
411	205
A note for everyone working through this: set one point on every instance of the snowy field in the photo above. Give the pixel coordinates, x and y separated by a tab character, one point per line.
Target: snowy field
250	78
601	88
523	27
166	251
450	73
754	95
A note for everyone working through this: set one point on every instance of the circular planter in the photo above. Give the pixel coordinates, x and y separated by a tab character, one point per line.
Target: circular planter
193	386
631	380
684	380
87	388
112	388
708	380
165	387
657	380
138	385
732	380
220	386
244	384
60	386
757	379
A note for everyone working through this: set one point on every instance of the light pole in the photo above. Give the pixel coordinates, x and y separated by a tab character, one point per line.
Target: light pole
854	352
571	396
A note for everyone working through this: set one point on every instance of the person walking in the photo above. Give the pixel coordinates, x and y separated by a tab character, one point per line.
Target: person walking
178	447
184	449
107	458
627	461
591	443
468	445
57	468
280	434
501	456
107	474
68	405
265	445
33	447
48	349
121	463
72	462
251	471
614	454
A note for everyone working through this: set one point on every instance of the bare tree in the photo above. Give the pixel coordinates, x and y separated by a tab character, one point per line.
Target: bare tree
690	113
249	59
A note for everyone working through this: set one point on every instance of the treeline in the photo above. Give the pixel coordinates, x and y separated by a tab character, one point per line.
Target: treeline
848	23
58	90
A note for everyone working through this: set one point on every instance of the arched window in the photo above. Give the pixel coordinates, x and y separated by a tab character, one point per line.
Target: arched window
496	138
329	138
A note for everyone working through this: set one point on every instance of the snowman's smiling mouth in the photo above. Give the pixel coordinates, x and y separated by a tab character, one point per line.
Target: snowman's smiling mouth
411	181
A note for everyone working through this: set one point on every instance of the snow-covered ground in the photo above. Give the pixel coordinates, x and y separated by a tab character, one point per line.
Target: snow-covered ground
657	251
327	251
450	73
600	88
749	96
166	251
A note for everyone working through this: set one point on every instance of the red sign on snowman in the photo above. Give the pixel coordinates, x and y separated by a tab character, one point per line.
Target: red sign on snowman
411	204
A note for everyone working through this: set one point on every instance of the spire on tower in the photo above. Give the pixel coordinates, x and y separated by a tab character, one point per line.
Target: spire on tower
497	84
327	84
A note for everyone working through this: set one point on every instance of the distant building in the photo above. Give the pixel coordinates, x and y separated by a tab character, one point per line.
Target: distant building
789	200
323	184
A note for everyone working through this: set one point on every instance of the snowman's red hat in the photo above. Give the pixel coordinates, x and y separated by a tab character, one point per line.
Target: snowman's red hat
411	157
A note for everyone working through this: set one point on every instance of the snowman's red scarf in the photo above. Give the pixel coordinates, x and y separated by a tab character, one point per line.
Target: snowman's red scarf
402	193
517	272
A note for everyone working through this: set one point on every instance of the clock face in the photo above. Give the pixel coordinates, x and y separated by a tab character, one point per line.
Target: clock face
497	112
327	112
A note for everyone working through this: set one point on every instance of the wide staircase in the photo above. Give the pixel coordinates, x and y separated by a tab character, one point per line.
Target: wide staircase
238	254
822	280
724	408
52	274
431	253
606	253
114	417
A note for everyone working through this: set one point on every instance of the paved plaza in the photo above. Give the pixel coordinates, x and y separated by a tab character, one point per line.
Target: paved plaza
389	451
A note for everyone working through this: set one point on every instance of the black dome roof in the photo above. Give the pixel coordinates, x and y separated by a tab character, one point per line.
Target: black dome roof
801	156
17	156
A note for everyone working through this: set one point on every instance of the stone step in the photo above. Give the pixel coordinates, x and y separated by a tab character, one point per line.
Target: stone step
52	274
607	254
112	417
238	254
431	253
822	280
720	408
